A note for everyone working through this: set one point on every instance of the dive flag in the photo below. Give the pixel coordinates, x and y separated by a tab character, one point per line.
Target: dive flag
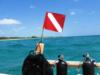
54	21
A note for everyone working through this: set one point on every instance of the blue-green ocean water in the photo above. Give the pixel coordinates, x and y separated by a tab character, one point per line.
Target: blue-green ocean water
13	52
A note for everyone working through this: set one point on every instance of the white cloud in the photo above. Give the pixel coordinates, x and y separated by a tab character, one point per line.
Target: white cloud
9	21
72	13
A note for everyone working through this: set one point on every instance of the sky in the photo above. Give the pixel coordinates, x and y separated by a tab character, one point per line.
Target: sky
26	17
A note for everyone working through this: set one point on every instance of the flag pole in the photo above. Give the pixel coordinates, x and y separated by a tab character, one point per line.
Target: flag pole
42	36
40	45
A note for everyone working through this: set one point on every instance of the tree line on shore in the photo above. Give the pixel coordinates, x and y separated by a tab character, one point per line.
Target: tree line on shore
17	37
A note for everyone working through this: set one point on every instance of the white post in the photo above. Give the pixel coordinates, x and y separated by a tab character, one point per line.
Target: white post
39	48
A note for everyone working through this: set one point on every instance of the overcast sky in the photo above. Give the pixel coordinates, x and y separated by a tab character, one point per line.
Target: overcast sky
26	17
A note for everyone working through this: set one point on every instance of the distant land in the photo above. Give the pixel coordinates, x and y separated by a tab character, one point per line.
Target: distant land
8	38
14	38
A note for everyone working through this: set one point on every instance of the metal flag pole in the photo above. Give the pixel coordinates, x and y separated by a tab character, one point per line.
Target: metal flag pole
40	45
41	40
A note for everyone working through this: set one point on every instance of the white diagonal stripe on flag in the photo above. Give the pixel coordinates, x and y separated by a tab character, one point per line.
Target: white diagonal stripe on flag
54	21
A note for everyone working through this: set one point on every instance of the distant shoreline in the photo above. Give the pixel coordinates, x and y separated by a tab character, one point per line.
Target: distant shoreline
35	37
10	39
15	38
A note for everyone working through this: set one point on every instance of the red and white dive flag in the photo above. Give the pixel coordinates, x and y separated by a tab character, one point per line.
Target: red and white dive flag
54	22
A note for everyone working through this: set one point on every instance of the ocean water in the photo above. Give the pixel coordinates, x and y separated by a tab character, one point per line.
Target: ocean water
13	52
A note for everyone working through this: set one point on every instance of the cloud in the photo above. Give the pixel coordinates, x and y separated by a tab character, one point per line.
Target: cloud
72	13
9	21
